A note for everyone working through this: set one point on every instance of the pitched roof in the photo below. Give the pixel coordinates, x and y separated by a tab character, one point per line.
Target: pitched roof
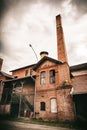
17	79
44	59
22	67
6	75
79	67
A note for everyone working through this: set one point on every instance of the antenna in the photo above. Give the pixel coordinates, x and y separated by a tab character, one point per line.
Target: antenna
33	51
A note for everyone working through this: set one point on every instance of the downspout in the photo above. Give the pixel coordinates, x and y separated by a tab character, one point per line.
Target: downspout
34	93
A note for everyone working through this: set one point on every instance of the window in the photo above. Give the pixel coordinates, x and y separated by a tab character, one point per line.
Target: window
42	106
43	78
26	72
52	76
53	105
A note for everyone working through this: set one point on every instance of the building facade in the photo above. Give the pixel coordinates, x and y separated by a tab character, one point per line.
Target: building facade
48	88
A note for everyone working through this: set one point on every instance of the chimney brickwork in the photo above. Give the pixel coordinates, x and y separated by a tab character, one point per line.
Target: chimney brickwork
62	56
65	103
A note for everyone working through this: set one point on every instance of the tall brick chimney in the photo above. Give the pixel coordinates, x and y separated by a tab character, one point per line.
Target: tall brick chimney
65	102
61	50
1	62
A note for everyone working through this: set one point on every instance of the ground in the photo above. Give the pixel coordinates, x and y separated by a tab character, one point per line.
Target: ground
10	125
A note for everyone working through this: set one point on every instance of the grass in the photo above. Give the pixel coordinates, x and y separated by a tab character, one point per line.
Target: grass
77	124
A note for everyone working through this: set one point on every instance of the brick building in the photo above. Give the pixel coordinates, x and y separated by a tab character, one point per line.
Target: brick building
50	88
79	91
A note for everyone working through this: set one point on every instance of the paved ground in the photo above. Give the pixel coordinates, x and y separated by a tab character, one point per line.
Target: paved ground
7	125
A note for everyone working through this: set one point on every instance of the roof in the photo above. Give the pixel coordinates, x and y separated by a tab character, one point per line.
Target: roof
22	67
6	75
44	59
16	79
79	67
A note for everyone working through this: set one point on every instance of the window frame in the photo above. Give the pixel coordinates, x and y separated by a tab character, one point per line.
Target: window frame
26	72
52	76
43	78
42	106
53	105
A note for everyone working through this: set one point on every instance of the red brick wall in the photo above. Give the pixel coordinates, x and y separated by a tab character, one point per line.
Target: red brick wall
64	74
21	73
61	49
45	96
65	104
44	93
79	84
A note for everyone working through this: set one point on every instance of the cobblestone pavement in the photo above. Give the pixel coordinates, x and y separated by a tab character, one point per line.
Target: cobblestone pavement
27	126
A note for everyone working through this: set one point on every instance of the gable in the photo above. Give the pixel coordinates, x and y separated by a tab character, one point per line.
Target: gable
46	64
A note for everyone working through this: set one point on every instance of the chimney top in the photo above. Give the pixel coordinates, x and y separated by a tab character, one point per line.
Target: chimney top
58	18
43	54
58	15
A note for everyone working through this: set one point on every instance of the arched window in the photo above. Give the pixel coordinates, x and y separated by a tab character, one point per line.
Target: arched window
43	77
53	105
42	106
52	76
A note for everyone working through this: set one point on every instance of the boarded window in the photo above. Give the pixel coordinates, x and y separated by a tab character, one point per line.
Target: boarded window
52	76
43	78
42	106
53	105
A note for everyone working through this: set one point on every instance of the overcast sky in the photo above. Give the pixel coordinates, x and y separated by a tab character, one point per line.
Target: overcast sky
24	22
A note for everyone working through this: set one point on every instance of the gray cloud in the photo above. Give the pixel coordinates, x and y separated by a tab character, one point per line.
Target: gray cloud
6	5
53	2
81	5
30	21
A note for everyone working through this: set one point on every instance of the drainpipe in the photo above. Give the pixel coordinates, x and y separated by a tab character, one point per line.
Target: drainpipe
34	94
